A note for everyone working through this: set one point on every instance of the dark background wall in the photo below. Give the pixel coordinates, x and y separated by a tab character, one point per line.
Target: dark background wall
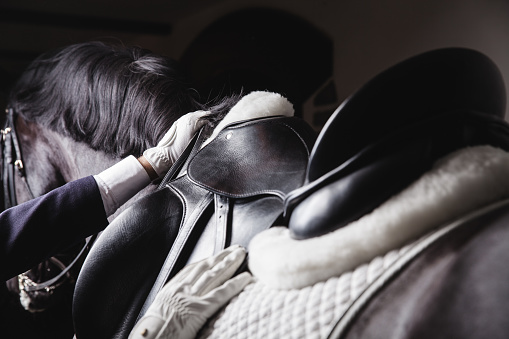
317	52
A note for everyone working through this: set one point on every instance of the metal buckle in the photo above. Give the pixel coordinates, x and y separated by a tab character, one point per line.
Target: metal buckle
4	132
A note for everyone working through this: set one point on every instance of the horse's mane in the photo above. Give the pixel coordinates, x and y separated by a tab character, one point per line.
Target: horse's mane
117	99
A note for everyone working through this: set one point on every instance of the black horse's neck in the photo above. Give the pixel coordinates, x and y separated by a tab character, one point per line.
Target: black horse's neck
52	159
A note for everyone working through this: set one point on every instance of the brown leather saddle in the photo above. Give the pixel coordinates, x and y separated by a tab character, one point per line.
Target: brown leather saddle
221	194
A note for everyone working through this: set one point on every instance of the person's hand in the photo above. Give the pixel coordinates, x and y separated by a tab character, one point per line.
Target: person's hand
183	306
171	146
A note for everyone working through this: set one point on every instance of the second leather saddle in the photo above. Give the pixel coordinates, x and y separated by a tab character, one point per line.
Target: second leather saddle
215	196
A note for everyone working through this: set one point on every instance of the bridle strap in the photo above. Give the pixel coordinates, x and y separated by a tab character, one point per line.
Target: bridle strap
12	161
48	283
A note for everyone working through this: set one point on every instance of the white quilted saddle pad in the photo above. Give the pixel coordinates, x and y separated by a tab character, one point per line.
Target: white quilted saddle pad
262	312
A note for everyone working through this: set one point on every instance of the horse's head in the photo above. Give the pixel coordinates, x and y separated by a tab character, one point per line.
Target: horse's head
36	155
79	110
36	160
82	108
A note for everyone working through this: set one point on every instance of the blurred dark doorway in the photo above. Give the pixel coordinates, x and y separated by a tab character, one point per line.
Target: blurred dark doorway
260	49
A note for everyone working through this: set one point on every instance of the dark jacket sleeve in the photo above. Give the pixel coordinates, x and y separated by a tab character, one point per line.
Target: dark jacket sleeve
39	228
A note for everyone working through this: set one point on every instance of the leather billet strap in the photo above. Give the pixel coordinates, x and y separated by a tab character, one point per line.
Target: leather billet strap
222	208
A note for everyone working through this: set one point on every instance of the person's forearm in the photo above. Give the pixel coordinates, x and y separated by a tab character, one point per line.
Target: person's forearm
121	182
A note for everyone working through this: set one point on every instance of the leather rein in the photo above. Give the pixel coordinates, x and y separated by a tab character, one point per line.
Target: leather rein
12	162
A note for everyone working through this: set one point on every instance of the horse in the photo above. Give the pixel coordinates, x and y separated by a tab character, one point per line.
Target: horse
74	112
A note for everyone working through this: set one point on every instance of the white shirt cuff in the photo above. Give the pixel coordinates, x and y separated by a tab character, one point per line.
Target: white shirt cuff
121	182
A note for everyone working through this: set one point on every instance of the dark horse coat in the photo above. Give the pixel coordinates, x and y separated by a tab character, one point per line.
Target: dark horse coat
455	289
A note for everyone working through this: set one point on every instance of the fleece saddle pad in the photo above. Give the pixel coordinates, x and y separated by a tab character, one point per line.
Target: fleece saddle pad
311	312
329	308
215	196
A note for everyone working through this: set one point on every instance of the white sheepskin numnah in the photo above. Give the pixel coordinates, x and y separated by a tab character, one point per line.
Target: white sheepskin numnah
458	184
257	104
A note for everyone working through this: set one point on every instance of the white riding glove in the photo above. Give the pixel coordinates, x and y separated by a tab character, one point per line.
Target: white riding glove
171	146
185	303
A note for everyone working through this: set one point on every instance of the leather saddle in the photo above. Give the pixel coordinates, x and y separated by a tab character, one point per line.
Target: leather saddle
392	130
215	196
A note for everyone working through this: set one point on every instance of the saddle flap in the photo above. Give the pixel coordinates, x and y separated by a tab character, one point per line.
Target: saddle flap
255	157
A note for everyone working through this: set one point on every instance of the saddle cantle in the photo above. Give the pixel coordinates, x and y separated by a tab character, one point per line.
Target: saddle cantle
221	194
